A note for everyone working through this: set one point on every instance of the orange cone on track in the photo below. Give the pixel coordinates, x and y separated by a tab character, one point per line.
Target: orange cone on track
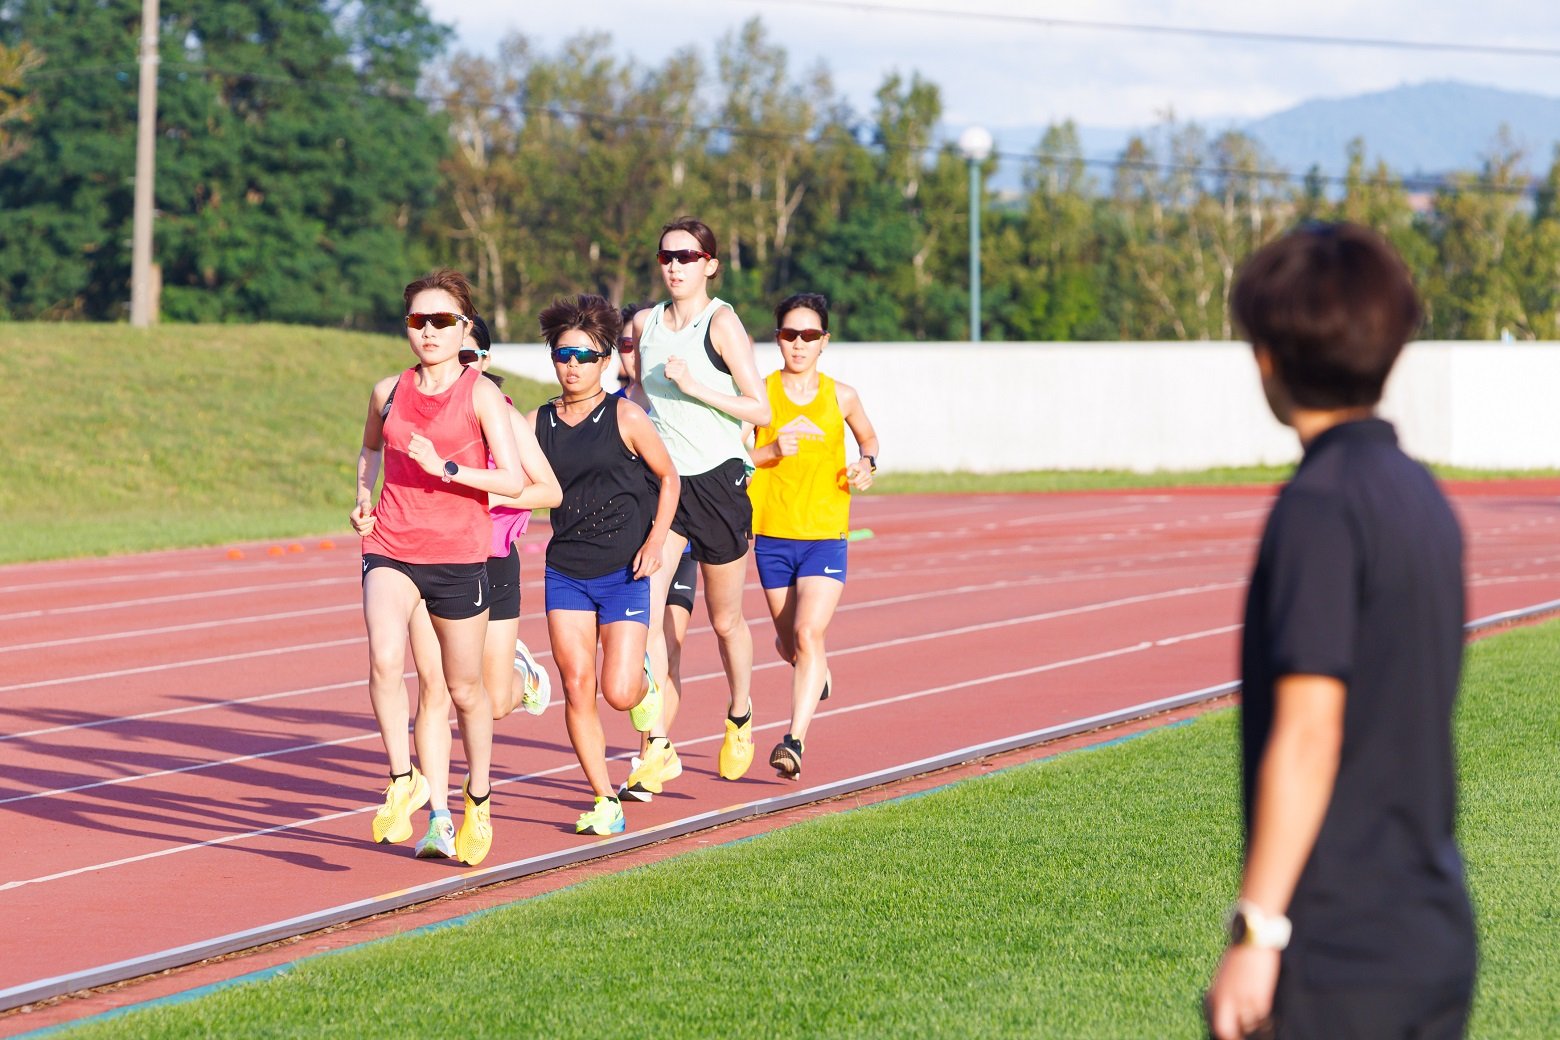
235	554
275	550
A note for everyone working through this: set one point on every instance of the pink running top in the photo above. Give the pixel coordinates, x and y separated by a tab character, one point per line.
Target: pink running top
509	523
419	518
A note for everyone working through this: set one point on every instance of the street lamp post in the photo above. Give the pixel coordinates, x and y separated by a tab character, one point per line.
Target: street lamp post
975	144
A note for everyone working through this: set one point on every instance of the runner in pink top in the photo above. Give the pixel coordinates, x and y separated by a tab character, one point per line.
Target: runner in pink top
426	541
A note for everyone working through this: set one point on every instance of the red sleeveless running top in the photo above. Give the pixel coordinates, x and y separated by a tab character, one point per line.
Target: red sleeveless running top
419	518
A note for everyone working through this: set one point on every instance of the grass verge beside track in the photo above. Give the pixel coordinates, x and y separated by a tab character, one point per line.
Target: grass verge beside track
122	440
1077	897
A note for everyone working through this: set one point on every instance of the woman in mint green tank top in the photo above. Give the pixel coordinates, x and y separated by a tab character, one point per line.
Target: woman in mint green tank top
696	368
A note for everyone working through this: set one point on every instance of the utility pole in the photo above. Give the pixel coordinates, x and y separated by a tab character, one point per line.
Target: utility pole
143	305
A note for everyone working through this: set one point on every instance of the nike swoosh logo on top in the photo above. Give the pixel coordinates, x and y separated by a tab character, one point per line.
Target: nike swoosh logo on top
632	613
685	588
832	570
598	415
741	479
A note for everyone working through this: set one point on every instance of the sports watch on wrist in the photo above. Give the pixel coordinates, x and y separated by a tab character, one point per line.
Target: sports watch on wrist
451	467
871	461
1250	925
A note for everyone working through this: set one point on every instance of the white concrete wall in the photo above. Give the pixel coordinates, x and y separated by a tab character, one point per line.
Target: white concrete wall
995	407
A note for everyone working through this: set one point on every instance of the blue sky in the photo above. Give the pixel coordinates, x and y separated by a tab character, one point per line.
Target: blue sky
1004	74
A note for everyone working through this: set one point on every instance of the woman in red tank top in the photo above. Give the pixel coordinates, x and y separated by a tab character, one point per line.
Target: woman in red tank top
426	540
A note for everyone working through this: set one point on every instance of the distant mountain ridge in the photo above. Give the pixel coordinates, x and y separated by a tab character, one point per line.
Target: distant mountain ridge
1419	129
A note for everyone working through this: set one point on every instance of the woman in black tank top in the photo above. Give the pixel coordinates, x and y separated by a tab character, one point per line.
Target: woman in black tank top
607	537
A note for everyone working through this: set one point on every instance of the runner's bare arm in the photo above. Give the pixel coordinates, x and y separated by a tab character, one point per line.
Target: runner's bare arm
859	473
492	412
369	457
750	404
639	437
541	485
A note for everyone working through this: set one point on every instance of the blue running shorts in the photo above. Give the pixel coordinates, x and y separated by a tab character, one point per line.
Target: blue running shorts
613	597
782	560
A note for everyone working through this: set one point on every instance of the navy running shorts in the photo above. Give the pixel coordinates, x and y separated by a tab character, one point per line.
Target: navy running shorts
783	560
613	597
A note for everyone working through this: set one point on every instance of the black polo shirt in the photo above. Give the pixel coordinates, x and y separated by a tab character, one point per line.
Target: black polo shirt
1359	577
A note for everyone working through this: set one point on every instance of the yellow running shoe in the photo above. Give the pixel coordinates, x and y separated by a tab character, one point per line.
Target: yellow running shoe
403	796
659	765
644	714
475	836
736	751
605	817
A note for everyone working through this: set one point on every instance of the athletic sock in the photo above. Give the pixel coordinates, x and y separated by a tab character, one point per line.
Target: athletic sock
400	776
478	801
438	814
743	721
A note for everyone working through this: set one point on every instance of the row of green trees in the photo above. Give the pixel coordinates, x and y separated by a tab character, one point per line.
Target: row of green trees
314	153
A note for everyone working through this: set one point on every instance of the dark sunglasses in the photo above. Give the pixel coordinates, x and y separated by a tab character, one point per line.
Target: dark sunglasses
471	357
439	320
626	345
682	256
583	355
807	335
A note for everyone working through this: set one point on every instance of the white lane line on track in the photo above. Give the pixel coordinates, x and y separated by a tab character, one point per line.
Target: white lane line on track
122	604
96	580
374	734
193	626
220	659
886	601
1082	514
841	652
138	777
206	706
227	839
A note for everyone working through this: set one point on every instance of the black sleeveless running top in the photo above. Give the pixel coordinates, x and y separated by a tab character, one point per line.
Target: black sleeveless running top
607	506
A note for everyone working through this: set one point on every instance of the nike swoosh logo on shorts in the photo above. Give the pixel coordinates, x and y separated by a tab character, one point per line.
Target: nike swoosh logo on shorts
631	613
685	588
479	596
832	570
741	479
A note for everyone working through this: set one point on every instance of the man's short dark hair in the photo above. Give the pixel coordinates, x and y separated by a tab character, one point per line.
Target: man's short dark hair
1334	305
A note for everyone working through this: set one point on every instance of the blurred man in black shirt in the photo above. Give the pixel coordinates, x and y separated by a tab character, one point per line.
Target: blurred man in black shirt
1353	918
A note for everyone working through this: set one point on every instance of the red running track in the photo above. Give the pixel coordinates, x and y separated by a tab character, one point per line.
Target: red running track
188	750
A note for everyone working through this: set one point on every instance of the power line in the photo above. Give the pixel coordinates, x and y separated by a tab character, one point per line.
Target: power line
1249	35
855	132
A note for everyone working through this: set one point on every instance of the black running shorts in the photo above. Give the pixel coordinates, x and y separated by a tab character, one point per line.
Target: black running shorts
504	583
685	584
715	514
453	591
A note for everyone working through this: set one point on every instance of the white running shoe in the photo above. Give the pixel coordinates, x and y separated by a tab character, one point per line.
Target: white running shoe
534	681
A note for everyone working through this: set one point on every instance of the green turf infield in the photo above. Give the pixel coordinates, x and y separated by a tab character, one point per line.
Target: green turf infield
1077	897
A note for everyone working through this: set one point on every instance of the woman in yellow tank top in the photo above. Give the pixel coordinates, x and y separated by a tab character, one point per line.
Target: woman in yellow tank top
801	505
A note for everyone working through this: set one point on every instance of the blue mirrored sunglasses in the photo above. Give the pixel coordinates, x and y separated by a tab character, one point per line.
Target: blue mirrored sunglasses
582	355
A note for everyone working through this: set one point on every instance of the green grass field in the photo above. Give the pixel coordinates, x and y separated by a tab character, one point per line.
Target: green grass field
1078	897
123	440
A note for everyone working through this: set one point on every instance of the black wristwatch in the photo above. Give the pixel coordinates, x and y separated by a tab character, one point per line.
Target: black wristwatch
871	461
451	467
